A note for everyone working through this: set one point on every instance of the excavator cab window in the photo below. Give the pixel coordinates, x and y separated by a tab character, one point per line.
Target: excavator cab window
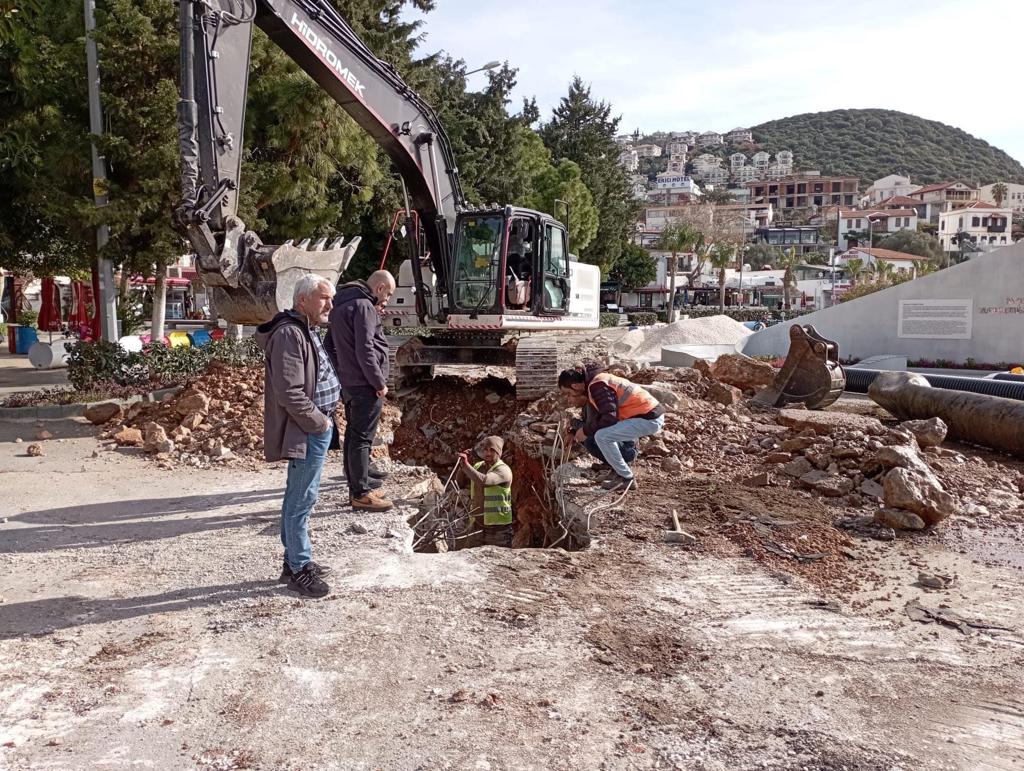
555	261
478	244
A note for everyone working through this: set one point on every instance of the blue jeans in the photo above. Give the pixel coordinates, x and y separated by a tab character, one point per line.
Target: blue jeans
300	495
608	440
626	449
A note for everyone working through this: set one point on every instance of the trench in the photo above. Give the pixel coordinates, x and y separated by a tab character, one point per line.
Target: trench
449	415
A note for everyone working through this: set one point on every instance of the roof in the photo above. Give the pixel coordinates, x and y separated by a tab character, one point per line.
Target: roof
937	186
876	213
885	254
897	200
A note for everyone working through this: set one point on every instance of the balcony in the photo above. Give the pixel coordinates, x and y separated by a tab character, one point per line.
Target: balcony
996	229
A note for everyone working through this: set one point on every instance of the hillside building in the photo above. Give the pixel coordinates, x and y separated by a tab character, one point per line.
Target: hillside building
805	190
933	200
1014	198
984	225
888	187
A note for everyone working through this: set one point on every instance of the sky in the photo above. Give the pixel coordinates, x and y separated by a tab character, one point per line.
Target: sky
722	64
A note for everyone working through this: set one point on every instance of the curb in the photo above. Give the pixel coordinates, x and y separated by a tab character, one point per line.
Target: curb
64	411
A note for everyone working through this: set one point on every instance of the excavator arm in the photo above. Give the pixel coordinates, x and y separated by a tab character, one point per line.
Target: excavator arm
251	281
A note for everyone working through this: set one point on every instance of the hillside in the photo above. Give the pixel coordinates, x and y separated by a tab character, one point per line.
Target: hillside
873	143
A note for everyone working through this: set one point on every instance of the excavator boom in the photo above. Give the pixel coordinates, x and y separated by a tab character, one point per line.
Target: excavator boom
252	280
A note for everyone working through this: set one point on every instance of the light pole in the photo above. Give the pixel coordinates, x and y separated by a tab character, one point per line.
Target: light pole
871	234
488	66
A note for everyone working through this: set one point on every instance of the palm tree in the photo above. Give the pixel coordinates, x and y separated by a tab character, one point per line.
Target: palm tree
722	256
676	238
999	193
788	261
883	271
923	267
854	268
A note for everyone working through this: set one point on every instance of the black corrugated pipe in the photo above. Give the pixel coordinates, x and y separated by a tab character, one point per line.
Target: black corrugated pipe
1008	376
858	380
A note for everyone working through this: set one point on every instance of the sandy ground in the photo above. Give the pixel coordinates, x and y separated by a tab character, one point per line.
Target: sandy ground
140	626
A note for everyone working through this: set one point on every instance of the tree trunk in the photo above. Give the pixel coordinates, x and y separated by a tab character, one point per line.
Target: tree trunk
671	265
122	290
159	301
721	290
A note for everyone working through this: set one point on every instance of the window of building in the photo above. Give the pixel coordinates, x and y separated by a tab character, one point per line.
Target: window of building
849	224
646	300
858	225
1002	239
974	222
961	222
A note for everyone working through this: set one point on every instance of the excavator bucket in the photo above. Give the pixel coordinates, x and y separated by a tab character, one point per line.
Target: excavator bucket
266	276
811	373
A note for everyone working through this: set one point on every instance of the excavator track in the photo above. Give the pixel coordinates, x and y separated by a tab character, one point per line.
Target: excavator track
536	367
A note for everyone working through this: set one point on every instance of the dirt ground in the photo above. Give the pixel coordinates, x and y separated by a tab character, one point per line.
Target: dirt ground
141	626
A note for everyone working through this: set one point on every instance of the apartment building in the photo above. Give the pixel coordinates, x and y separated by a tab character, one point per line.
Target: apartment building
1013	199
739	135
933	200
801	191
761	161
678	147
802	238
736	162
860	226
709	139
630	159
704	163
901	261
985	225
648	151
888	187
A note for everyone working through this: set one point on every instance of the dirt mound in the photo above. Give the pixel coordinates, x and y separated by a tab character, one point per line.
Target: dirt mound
645	343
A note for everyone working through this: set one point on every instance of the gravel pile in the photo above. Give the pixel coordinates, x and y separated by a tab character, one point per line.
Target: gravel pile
645	343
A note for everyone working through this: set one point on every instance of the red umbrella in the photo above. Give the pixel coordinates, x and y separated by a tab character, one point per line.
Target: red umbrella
78	316
49	308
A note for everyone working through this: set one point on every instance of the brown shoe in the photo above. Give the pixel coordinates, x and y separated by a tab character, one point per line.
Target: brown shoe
370	502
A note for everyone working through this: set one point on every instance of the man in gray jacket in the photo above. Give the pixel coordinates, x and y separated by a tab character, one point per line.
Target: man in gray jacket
360	353
301	391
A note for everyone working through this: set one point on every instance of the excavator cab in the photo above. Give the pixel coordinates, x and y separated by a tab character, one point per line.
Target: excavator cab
509	261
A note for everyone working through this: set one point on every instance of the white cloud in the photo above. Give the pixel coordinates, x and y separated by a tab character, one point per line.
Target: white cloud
665	65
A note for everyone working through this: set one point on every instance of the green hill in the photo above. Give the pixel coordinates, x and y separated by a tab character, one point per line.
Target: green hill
873	143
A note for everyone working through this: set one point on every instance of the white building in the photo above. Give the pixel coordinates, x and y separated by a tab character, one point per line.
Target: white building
901	261
678	147
877	223
888	187
677	165
744	175
1013	199
630	159
986	226
736	162
784	159
648	151
639	183
717	177
703	164
761	161
740	135
709	139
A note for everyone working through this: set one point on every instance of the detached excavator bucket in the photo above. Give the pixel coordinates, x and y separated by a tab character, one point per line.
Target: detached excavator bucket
811	373
266	277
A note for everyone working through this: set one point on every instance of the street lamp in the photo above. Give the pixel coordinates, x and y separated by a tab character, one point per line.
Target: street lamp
871	234
488	66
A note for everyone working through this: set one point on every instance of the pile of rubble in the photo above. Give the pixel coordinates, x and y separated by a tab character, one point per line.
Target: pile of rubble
217	418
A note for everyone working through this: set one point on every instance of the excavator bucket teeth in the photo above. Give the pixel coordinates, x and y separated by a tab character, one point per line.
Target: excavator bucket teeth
268	275
811	373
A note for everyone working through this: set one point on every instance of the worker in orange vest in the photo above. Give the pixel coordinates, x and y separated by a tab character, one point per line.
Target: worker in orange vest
616	414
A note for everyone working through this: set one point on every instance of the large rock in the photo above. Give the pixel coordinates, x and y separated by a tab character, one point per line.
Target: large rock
155	440
929	433
104	412
919	493
900	456
742	371
128	437
192	421
871	489
829	422
191	401
797	467
724	394
667	397
899	519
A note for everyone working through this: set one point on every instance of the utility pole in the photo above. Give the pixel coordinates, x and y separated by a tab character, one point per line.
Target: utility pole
107	292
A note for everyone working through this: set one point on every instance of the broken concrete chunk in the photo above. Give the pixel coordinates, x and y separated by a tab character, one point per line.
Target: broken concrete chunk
797	467
128	437
899	519
831	485
929	433
902	457
192	401
829	422
919	493
743	372
724	394
871	489
103	412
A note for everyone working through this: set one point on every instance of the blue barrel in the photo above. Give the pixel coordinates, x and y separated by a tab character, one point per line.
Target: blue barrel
26	337
199	338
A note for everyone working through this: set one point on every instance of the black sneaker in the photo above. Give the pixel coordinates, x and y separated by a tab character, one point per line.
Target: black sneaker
615	482
308	583
600	468
374	483
378	473
286	572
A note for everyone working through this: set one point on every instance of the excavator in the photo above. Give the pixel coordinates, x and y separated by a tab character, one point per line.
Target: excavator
482	282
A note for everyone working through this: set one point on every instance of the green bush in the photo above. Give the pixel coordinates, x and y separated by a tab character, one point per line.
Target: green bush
643	319
129	313
767	316
662	316
28	318
609	319
156	366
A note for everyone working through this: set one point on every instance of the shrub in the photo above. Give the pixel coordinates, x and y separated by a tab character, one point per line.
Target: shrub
156	366
642	319
609	319
28	318
662	316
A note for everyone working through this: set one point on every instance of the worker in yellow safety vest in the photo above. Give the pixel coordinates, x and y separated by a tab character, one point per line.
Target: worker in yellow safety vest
490	493
616	413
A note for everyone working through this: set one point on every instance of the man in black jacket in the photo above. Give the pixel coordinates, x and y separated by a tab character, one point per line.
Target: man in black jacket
360	353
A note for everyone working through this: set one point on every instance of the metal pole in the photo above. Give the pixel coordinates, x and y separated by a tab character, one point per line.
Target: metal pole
108	294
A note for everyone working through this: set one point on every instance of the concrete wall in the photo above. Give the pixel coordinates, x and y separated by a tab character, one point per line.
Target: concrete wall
868	326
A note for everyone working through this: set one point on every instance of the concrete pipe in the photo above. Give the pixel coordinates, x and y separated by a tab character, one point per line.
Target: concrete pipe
988	421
